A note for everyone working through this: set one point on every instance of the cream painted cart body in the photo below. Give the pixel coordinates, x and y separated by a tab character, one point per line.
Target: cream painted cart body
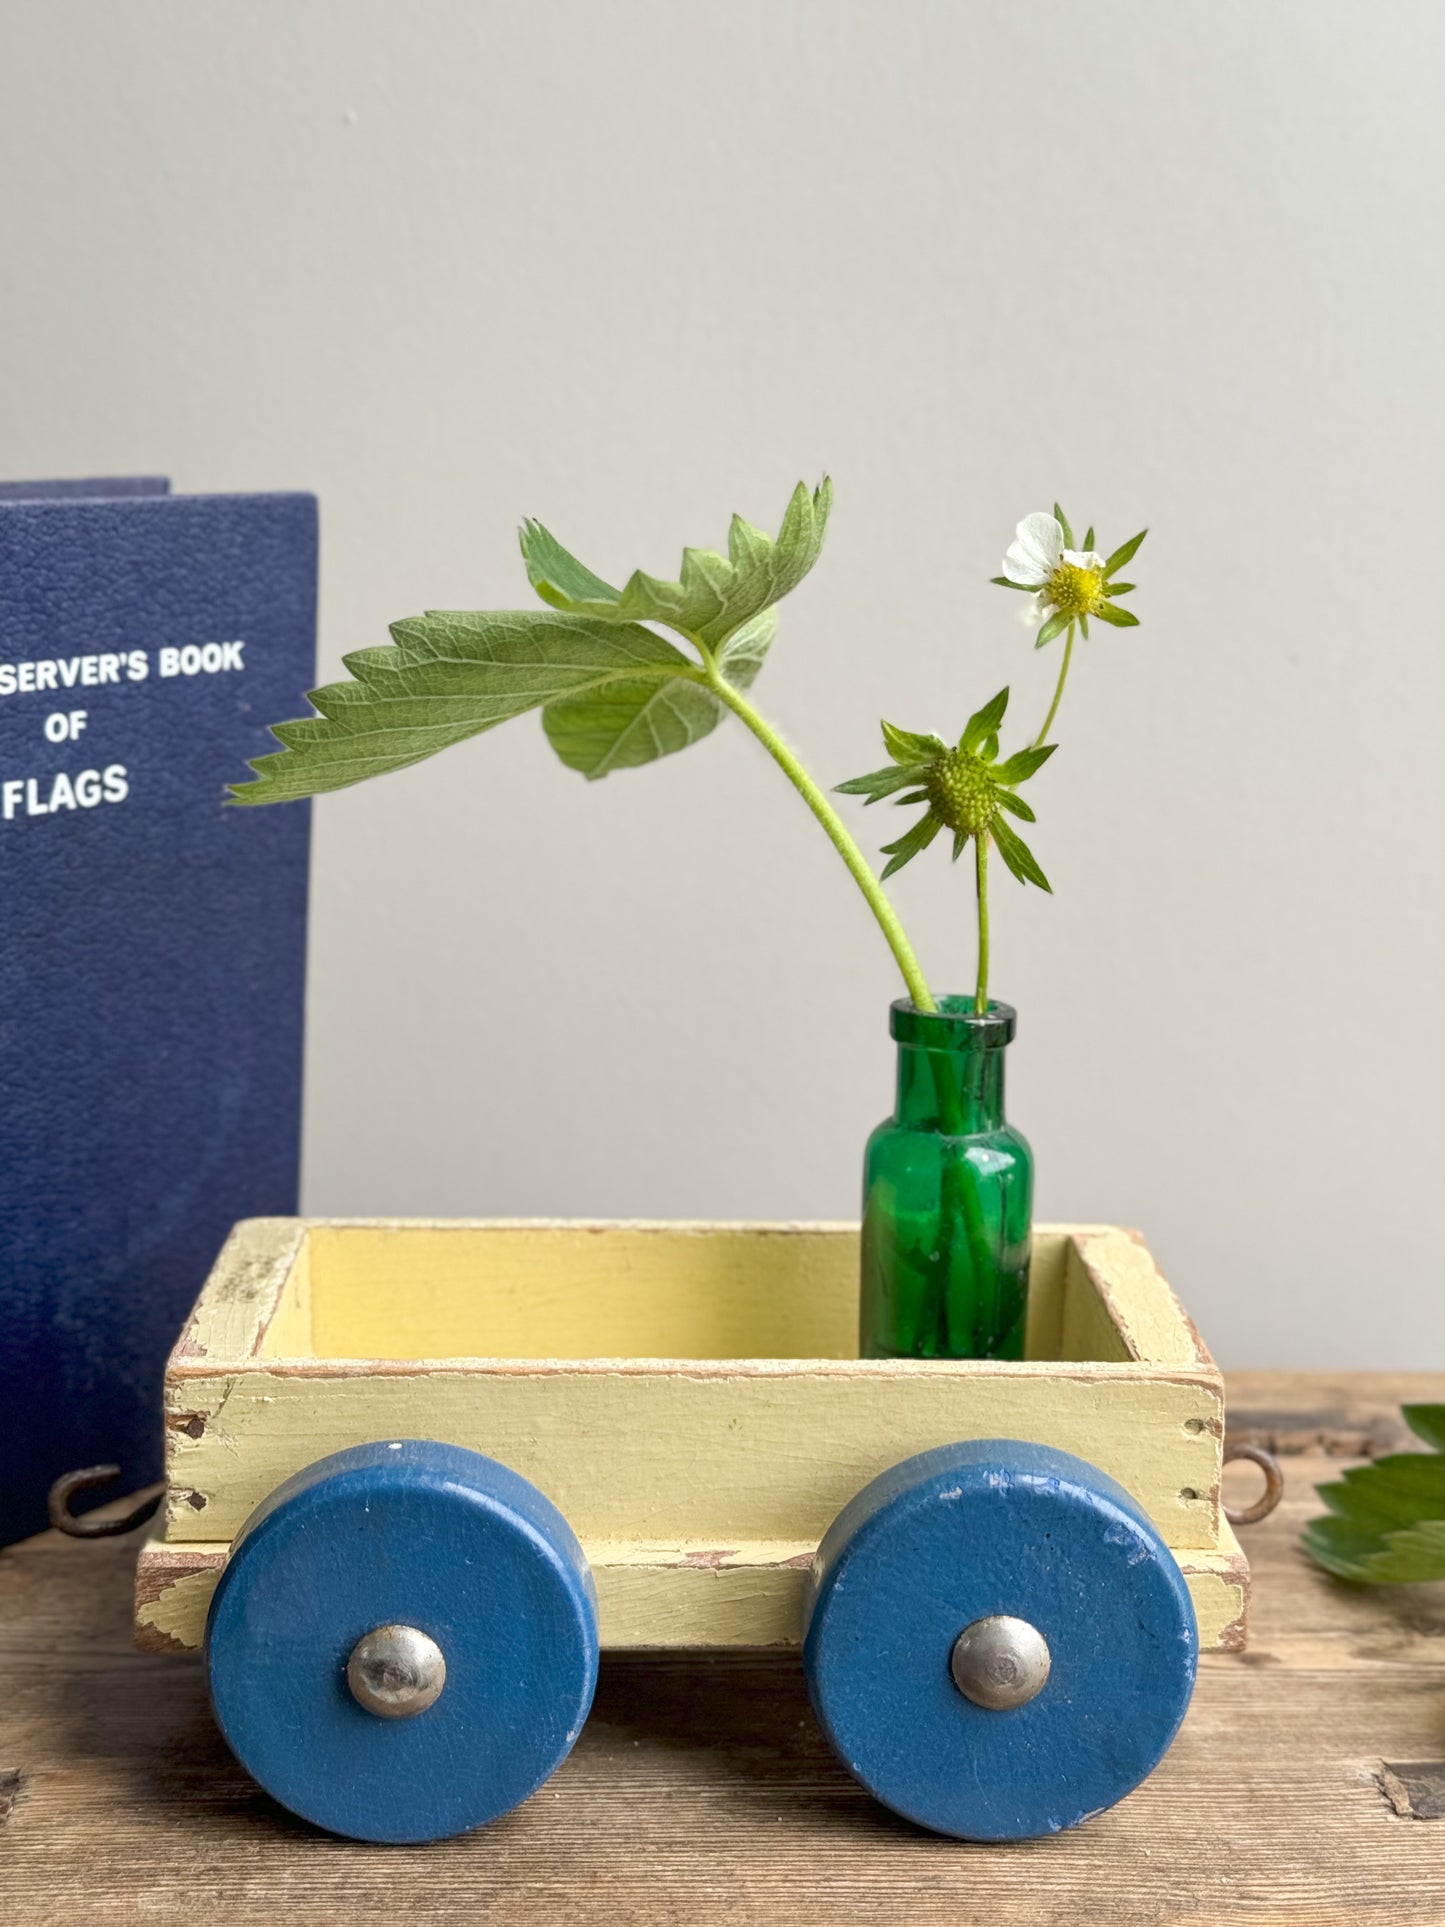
683	1406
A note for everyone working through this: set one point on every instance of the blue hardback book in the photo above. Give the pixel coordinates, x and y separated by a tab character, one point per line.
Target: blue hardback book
152	942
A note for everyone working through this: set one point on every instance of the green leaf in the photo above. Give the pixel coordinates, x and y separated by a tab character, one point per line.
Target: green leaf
1124	551
446	676
1023	764
1017	855
556	574
1120	618
1426	1422
905	746
1387	1518
1008	800
714	594
882	782
1004	583
984	723
908	846
1055	626
1063	522
624	725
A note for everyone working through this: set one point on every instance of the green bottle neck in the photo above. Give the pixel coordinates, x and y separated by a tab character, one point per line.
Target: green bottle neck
976	1078
950	1066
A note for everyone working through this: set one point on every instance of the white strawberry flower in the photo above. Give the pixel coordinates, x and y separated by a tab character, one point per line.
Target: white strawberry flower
1066	585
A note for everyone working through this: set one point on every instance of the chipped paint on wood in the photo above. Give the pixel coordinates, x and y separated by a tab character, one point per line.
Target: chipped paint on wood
656	1595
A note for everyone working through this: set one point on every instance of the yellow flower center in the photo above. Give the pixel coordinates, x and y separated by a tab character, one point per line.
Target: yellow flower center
961	792
1074	591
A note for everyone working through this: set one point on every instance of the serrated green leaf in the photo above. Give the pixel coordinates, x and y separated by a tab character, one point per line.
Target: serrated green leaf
1124	551
1426	1422
879	783
1120	618
1023	764
1408	1557
1011	800
1387	1523
1055	626
555	573
907	746
1063	522
625	725
446	676
714	595
1017	855
984	723
908	846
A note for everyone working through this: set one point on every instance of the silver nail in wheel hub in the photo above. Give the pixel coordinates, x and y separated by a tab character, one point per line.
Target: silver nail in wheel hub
999	1662
396	1671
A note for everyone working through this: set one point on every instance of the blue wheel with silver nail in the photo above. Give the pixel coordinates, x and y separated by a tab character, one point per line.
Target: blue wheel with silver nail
403	1643
999	1642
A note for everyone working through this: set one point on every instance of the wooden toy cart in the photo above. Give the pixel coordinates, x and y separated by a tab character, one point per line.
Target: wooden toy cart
418	1473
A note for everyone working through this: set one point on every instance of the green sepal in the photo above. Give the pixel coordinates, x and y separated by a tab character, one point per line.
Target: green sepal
1120	618
1122	554
1004	583
908	846
1055	626
960	843
448	675
906	746
879	783
1017	855
1122	588
1063	522
984	723
1011	800
1084	626
713	596
1089	538
626	725
913	796
1023	764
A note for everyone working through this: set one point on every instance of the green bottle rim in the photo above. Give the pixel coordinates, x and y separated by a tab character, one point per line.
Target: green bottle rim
954	1026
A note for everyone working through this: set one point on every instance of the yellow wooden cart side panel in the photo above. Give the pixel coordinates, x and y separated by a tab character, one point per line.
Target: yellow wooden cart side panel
692	1450
652	1595
607	1290
262	1271
1121	1277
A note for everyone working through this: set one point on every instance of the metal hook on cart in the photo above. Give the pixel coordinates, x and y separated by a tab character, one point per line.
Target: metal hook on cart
1250	1515
86	1525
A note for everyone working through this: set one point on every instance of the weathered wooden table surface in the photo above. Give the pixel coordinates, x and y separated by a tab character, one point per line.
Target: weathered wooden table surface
701	1789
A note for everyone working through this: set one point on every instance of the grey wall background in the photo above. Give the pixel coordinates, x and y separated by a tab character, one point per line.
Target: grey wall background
629	266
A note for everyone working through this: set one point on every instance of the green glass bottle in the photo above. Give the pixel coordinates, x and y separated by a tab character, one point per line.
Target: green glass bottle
947	1195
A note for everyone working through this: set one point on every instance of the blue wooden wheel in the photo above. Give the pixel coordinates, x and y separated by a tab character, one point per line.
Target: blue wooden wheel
999	1643
403	1643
